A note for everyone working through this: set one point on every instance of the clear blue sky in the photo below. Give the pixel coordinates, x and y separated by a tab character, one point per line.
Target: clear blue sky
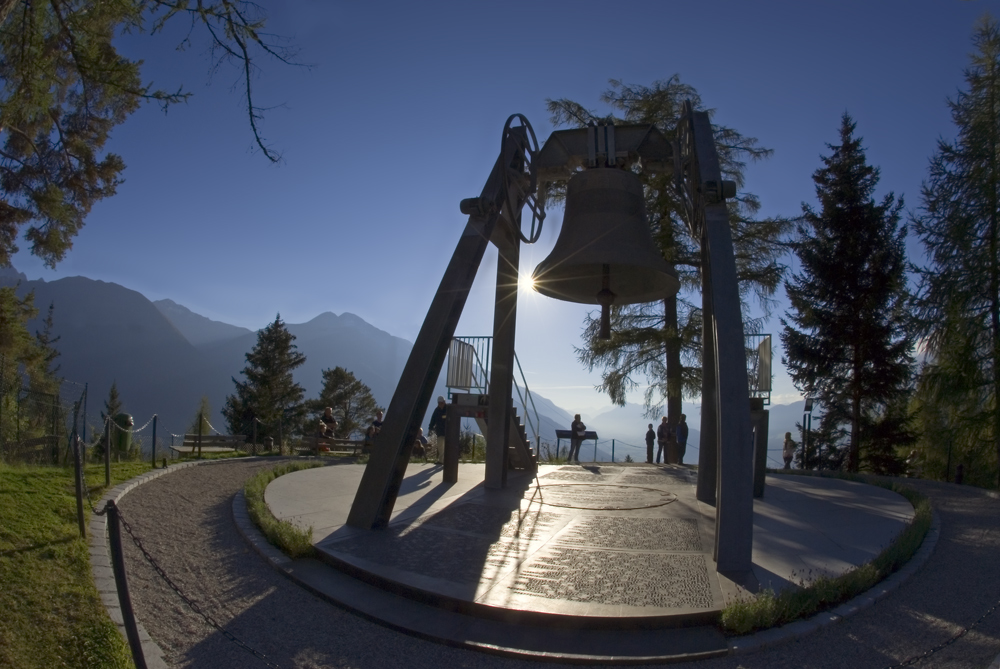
400	116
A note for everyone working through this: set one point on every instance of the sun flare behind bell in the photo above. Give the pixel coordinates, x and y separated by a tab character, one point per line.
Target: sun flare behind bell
605	253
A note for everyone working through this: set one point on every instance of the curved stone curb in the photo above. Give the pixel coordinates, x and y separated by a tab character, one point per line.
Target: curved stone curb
995	664
778	635
256	538
100	558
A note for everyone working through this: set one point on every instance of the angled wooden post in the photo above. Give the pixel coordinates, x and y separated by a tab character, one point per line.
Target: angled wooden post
727	349
502	365
383	476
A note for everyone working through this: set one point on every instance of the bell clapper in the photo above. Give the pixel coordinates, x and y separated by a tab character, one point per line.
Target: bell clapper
605	298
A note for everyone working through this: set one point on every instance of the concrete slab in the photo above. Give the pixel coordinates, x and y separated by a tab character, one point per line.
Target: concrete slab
806	527
605	546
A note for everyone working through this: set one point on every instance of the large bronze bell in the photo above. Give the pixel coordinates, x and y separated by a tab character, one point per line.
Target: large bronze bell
605	253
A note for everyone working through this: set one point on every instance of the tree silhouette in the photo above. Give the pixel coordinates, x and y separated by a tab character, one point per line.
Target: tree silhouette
269	394
846	338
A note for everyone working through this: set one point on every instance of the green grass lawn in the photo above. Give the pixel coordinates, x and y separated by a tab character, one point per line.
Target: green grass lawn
52	614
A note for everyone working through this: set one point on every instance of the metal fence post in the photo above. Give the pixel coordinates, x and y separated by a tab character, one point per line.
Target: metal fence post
55	429
78	470
121	582
153	459
107	452
612	450
84	437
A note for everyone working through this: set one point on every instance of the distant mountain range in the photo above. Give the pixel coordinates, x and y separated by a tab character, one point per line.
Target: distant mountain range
164	358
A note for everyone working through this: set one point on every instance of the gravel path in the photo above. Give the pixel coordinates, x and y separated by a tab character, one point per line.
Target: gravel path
185	521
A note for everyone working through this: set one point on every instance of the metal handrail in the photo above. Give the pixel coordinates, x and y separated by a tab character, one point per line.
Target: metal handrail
478	373
481	384
758	352
533	425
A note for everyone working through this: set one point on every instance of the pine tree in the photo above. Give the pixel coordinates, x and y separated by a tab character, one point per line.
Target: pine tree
660	342
200	422
351	400
112	405
849	344
269	394
959	295
23	357
44	376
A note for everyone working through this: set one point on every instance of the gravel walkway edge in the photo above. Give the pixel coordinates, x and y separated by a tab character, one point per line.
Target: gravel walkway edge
100	559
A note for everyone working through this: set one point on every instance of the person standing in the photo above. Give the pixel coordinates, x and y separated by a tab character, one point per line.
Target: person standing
788	450
650	438
577	432
682	438
438	428
662	439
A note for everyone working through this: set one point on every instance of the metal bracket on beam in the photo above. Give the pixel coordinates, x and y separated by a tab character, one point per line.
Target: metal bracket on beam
477	206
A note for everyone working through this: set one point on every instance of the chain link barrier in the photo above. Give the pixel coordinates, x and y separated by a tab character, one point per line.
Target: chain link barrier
90	501
187	600
944	644
211	427
133	430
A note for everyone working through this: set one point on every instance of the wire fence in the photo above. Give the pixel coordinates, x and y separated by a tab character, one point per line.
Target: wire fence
35	428
617	450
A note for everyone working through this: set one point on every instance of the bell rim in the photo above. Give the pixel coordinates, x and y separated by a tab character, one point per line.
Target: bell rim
664	284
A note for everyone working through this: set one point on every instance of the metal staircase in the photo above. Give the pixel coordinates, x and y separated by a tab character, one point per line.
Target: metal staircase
469	374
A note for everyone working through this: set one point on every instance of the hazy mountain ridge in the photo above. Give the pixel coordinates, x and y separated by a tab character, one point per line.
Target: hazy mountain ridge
164	358
109	333
198	329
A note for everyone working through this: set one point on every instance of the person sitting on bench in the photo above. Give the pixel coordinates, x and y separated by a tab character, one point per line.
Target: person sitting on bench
420	445
329	423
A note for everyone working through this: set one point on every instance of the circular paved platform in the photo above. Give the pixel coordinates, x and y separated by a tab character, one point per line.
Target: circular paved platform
603	546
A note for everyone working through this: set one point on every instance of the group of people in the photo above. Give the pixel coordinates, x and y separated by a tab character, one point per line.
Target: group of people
437	429
665	434
327	428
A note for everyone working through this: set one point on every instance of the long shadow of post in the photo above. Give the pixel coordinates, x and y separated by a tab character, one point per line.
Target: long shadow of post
446	554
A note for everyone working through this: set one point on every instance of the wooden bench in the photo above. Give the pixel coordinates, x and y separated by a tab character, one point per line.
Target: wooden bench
209	443
316	444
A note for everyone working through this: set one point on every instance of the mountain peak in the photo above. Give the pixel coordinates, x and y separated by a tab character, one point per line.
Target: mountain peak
197	329
9	276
